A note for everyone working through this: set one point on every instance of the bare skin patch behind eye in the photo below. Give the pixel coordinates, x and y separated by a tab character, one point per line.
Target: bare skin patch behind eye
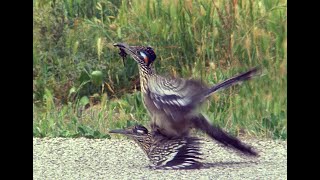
145	57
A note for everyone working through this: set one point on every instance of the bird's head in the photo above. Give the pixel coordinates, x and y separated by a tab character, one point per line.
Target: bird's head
143	55
138	133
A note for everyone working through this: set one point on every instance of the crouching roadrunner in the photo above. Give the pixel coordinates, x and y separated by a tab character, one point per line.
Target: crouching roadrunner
164	153
172	102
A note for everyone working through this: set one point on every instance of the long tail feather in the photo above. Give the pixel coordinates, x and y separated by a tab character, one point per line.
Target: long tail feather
219	135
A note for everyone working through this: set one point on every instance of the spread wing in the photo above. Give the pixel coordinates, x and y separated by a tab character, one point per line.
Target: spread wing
175	94
177	154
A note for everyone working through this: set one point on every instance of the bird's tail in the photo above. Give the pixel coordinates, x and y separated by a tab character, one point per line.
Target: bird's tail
234	80
215	132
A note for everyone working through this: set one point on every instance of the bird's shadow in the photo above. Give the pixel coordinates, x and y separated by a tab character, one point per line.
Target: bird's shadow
208	165
229	163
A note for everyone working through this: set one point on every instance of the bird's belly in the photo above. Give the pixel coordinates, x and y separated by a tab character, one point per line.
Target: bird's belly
179	126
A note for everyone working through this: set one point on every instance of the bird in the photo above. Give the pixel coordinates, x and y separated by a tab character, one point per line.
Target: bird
172	102
165	153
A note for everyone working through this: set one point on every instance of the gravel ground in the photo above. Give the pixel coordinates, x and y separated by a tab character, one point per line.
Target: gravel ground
66	158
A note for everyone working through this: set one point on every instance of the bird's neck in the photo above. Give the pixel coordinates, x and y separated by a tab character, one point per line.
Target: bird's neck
145	74
146	145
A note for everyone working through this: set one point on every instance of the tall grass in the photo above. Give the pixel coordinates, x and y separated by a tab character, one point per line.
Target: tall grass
207	40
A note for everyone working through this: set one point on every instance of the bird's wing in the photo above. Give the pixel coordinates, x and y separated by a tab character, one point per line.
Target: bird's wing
177	154
174	94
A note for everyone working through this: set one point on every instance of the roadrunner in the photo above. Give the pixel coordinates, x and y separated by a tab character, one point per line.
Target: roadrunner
172	102
164	153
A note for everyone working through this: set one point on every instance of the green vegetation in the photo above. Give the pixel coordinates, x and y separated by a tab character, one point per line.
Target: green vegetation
82	87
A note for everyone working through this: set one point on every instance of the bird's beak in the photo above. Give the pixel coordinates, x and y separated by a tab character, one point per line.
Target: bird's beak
121	45
119	131
126	49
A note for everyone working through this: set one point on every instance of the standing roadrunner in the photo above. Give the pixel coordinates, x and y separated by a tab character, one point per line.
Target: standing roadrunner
164	153
172	102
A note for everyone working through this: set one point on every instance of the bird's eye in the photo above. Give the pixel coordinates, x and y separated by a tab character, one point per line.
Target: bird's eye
145	57
140	131
143	54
